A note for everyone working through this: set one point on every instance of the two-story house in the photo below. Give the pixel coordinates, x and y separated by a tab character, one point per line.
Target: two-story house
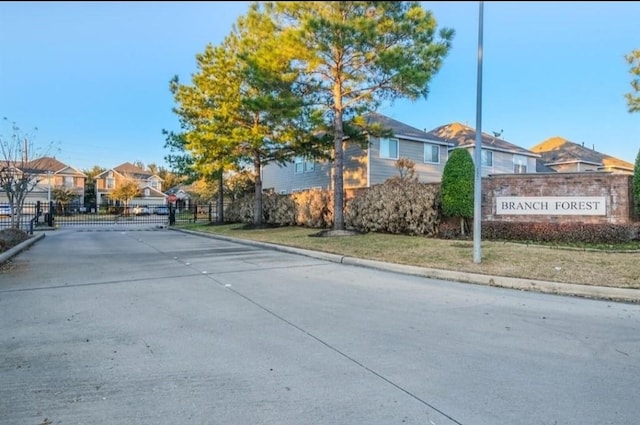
561	155
49	173
497	155
150	185
364	167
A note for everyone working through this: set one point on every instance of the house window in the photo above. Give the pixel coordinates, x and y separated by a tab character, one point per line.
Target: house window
389	148
303	165
519	164
487	158
154	184
431	153
111	183
146	192
68	181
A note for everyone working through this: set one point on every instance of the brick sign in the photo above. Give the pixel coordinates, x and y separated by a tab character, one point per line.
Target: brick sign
551	205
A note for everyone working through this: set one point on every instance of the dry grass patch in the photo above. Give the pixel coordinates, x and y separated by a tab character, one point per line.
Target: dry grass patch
616	269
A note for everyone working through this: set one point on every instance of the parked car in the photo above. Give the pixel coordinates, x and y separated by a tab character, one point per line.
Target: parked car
141	210
5	210
162	210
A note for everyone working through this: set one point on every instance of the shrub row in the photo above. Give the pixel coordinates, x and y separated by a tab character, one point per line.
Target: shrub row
400	207
574	232
405	206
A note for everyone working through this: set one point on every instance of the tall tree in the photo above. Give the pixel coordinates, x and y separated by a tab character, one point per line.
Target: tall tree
357	54
244	108
633	100
456	189
17	178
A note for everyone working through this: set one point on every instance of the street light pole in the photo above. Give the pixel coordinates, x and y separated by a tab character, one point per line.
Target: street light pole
49	187
477	198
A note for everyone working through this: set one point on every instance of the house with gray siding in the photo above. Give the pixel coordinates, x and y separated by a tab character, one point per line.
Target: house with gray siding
497	155
368	166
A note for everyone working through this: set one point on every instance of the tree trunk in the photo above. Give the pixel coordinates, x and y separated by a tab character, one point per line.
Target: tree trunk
338	164
220	208
257	212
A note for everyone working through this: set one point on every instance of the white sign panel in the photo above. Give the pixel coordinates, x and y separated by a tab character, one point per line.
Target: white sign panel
551	205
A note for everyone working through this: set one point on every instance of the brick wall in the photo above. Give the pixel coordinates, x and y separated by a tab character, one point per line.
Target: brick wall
614	188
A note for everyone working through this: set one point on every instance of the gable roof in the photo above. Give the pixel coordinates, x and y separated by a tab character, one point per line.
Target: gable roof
463	136
47	163
557	150
401	129
130	170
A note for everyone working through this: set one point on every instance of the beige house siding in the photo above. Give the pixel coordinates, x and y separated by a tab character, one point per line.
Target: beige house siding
150	195
573	167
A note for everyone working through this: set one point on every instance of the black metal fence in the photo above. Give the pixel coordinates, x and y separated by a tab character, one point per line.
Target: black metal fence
47	215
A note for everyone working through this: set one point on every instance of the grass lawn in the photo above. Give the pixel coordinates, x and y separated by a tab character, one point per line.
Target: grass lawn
616	266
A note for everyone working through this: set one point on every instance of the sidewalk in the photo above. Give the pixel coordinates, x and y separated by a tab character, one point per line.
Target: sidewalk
568	289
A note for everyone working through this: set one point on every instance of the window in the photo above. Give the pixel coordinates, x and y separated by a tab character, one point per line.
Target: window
431	153
487	158
111	183
519	164
303	165
389	148
154	184
68	181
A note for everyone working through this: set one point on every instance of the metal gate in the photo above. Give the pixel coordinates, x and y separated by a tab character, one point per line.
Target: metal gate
39	215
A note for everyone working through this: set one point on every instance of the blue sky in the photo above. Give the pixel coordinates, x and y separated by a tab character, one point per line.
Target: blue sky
93	77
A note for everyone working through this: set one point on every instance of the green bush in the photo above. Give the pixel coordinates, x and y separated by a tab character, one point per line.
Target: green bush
457	187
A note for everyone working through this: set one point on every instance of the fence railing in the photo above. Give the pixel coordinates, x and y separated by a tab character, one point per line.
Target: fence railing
34	216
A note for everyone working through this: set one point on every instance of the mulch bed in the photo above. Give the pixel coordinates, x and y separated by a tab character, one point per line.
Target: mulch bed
11	237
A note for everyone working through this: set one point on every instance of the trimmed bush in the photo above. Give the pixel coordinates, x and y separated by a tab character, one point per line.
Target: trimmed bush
399	207
457	188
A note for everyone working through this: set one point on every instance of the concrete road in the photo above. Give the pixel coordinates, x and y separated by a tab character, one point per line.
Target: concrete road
157	327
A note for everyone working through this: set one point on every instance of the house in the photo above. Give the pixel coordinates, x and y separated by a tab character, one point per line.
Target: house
364	167
49	173
562	155
150	185
497	155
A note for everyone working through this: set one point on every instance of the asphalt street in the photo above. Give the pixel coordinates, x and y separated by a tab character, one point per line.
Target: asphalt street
152	326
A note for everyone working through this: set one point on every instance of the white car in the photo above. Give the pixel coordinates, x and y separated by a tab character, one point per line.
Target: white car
5	210
141	210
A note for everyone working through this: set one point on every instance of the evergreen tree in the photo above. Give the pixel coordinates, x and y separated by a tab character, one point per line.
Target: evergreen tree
354	55
457	187
633	98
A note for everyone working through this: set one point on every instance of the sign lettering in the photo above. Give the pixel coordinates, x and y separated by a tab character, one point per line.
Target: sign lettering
551	205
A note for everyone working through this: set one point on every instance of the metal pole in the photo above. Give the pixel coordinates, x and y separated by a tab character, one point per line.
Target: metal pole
477	198
48	185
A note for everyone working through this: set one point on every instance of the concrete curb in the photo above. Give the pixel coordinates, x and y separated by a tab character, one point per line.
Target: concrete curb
7	255
557	288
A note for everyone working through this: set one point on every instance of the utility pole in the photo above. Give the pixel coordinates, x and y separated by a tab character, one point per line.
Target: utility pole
477	198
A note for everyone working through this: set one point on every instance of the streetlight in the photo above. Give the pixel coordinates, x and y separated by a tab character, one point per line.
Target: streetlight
477	197
49	187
